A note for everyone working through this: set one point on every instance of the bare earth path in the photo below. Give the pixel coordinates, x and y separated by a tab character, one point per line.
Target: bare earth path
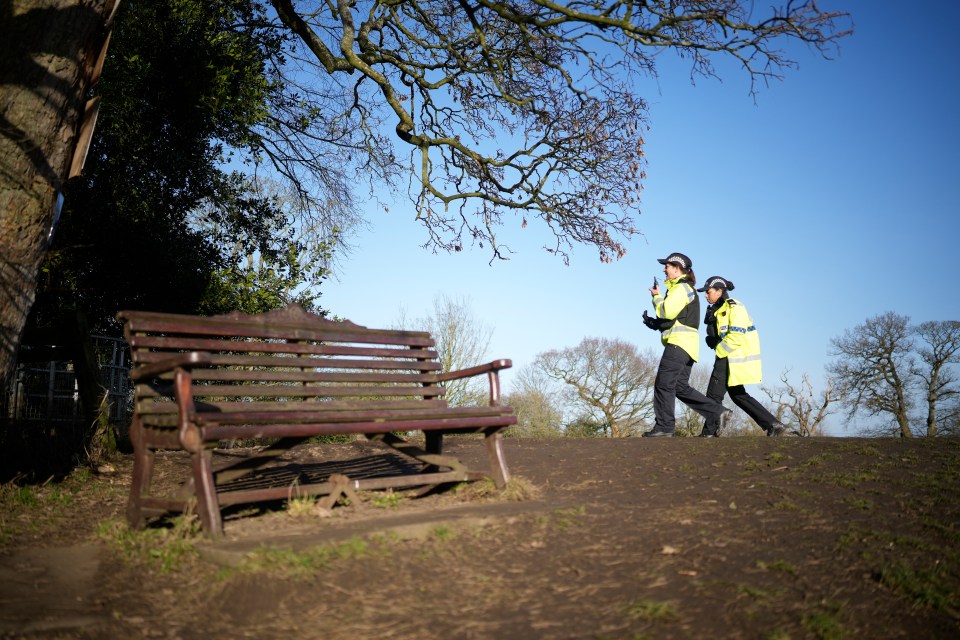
681	538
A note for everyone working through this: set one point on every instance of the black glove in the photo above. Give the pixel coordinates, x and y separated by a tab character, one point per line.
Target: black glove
713	341
651	323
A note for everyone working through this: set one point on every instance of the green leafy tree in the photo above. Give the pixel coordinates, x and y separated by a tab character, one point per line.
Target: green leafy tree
156	221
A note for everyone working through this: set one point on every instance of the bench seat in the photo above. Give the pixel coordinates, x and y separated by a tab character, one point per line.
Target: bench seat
289	375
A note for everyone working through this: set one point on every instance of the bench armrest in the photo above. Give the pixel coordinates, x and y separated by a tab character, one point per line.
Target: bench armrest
182	360
492	370
494	366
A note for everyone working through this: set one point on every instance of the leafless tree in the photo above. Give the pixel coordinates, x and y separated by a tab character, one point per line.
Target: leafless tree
940	348
537	404
872	368
948	420
608	380
525	108
462	341
798	407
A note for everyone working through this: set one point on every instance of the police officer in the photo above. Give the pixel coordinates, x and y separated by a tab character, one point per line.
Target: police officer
733	337
678	320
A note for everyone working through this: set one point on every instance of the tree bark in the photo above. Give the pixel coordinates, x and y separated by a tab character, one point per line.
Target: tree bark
51	52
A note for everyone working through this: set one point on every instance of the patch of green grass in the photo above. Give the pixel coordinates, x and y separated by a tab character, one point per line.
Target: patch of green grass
387	499
651	610
825	624
566	518
861	504
932	588
819	459
777	565
863	449
301	507
776	458
786	505
304	563
850	479
25	497
947	529
750	465
443	533
757	593
165	548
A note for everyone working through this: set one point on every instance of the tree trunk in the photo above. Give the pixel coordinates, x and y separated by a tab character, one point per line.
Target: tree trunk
51	49
904	423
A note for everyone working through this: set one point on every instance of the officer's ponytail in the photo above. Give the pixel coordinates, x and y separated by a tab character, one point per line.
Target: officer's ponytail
690	277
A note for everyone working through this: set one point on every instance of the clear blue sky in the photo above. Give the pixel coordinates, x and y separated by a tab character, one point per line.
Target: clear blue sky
831	200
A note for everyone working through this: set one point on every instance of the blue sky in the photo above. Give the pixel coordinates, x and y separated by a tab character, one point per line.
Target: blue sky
830	200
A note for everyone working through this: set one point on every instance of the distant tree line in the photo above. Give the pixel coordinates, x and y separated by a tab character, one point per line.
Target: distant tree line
903	373
886	368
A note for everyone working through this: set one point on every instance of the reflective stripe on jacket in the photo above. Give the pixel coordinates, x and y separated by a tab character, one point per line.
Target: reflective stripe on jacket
682	305
739	343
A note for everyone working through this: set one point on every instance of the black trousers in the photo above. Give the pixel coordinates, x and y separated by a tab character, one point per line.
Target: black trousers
717	388
673	382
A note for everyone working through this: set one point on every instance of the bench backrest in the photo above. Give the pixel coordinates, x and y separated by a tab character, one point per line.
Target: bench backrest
283	360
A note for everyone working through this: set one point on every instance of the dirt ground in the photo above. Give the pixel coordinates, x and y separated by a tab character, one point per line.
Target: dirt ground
741	537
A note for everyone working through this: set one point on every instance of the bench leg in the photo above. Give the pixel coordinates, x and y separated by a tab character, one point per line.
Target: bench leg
142	473
208	507
433	443
493	440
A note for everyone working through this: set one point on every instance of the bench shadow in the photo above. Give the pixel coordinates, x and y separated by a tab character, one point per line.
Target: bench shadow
298	474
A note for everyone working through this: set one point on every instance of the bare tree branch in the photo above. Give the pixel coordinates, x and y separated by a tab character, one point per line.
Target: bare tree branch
872	368
807	412
608	379
525	109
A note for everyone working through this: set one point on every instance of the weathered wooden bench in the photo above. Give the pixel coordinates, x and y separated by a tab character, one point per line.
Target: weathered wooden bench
287	376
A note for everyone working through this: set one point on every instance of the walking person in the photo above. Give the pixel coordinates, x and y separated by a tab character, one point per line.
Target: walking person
678	320
734	338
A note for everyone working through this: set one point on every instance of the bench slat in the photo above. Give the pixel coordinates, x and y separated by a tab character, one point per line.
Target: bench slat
262	375
161	407
191	331
318	363
292	323
298	391
160	349
307	429
273	417
177	344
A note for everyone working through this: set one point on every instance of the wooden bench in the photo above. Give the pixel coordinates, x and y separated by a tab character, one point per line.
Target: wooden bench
289	375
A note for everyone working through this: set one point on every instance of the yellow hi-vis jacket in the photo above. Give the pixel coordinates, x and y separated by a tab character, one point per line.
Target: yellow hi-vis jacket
682	305
739	343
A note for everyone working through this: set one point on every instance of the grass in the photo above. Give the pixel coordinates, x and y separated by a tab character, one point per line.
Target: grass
566	518
825	624
165	548
932	587
651	610
781	566
388	499
305	563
